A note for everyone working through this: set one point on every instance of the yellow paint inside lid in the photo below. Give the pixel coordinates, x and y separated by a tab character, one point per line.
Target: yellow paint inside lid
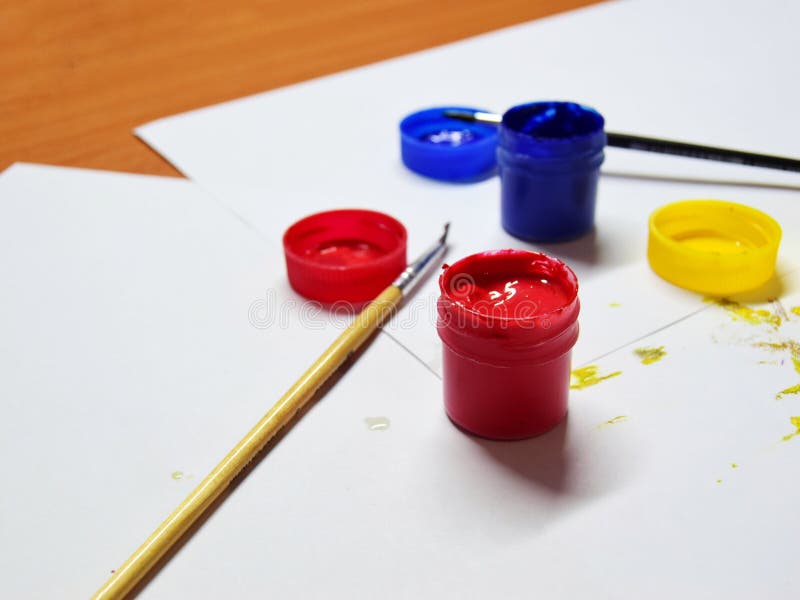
713	247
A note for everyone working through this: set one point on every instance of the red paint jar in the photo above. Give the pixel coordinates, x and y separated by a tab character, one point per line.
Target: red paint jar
508	320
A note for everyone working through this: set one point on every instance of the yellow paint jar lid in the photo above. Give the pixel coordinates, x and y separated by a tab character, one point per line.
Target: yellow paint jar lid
713	247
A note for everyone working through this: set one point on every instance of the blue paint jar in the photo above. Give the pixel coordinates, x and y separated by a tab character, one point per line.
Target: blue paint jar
549	158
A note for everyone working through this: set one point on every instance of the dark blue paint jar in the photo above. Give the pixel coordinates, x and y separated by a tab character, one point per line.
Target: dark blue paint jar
549	158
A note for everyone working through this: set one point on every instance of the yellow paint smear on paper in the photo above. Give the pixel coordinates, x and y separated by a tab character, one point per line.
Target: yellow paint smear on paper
787	346
588	376
796	422
177	475
792	347
734	466
614	421
650	355
795	310
795	389
749	315
617	305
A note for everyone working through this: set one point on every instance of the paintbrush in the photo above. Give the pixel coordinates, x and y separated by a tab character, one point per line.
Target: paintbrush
648	144
142	561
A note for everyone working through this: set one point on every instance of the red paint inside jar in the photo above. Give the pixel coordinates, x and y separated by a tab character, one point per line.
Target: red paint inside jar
508	321
344	252
494	293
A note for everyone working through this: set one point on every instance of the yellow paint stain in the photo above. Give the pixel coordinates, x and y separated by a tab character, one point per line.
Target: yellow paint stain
796	423
177	475
650	355
795	310
734	466
617	305
786	346
749	315
719	480
789	345
614	421
795	389
589	376
794	348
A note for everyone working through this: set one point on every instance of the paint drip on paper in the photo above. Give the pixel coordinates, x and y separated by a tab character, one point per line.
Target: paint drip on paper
589	376
648	356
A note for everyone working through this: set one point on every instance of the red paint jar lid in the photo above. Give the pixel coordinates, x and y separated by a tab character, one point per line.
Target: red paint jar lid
345	255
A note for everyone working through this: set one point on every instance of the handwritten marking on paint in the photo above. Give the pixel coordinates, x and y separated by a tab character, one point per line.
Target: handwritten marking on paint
753	316
377	423
650	355
614	421
588	376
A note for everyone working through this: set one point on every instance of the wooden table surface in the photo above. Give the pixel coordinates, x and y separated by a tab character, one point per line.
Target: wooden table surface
78	75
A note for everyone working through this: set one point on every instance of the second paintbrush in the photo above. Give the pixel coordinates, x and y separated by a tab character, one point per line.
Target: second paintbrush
661	146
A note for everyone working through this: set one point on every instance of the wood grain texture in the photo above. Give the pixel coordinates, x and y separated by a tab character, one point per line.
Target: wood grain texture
78	75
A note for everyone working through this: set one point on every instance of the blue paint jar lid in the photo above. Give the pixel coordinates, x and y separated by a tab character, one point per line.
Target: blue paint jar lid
448	149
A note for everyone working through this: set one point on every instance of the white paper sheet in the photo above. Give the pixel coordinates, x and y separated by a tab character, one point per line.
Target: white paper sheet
712	72
130	364
131	351
626	510
144	328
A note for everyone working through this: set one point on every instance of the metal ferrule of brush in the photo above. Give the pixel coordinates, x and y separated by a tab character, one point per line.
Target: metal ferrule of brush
406	279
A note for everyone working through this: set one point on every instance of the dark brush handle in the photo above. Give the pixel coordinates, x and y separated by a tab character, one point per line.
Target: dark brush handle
739	157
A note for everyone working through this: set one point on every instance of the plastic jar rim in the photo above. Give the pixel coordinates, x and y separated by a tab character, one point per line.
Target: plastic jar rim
567	274
759	220
378	220
598	122
436	114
